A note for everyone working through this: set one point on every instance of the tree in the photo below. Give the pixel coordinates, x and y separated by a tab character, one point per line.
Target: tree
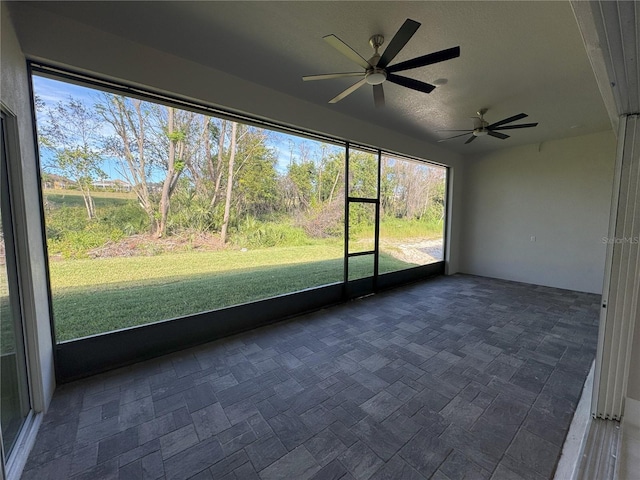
173	137
71	130
130	146
302	176
363	174
257	180
412	190
333	172
206	166
227	203
150	142
251	175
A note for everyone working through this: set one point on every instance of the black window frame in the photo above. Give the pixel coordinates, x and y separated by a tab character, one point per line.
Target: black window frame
118	348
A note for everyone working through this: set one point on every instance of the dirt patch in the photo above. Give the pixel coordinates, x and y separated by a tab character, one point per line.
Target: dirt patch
414	251
417	251
148	245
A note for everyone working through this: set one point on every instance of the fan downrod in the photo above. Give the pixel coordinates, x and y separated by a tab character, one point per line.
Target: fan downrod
375	75
481	129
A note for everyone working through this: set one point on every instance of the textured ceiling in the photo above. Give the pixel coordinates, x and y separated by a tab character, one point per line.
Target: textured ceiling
515	57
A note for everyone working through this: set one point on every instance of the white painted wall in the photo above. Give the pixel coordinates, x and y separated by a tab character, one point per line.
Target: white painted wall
559	192
14	94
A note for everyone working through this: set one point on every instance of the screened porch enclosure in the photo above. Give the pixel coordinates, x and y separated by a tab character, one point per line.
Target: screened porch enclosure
178	224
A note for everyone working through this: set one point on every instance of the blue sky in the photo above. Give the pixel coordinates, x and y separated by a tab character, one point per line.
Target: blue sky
54	91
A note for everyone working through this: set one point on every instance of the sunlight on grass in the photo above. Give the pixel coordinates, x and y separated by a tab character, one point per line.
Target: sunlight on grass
69	196
399	228
172	267
88	308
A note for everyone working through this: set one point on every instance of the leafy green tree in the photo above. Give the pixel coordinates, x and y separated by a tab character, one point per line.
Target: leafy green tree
71	132
257	180
333	173
251	176
363	174
206	167
302	177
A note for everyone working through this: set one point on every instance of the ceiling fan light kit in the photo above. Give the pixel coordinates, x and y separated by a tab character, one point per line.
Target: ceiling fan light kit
375	76
377	69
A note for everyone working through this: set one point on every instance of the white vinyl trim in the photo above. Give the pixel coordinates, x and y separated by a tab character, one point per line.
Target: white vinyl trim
573	447
622	278
24	444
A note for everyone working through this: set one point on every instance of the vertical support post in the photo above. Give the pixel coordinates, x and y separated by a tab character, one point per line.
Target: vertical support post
376	244
622	278
346	218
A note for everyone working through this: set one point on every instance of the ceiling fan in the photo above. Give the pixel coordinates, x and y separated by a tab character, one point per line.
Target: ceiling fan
377	69
481	127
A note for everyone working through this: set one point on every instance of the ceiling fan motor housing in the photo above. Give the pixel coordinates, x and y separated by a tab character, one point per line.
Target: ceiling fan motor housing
480	125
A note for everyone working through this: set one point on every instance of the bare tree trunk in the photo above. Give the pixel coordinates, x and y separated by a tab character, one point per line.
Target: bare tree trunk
197	171
319	184
88	202
427	200
216	189
139	170
170	178
227	203
333	188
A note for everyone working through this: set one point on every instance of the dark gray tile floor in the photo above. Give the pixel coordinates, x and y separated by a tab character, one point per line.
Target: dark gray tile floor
456	378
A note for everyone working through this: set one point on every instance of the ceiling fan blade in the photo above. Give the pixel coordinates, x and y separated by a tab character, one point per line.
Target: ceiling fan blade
456	136
424	60
512	127
471	139
378	95
328	76
499	135
398	42
465	130
519	116
348	91
411	83
346	50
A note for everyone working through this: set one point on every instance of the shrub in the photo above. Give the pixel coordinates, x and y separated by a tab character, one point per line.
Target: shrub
65	219
194	216
75	244
252	233
72	235
129	218
324	221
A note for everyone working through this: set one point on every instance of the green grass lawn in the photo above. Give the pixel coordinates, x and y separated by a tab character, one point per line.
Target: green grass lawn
96	296
92	296
73	198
